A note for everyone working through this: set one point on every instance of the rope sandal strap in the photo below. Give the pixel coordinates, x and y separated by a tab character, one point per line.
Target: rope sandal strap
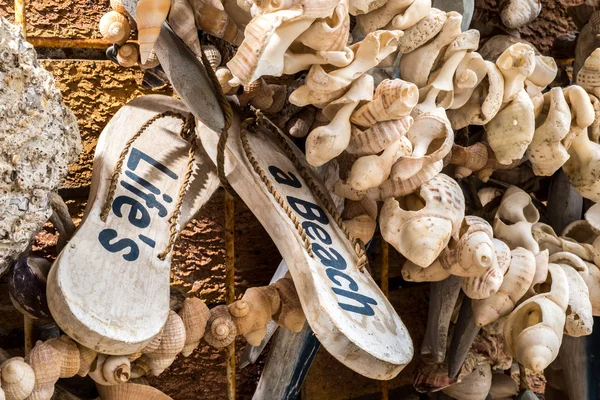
188	134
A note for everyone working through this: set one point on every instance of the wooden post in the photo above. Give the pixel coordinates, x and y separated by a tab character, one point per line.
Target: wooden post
28	328
385	269
20	16
229	286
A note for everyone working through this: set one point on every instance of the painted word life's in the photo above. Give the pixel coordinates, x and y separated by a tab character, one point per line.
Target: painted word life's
314	222
138	214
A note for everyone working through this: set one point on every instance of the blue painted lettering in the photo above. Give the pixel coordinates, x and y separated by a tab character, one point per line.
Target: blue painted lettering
316	232
333	274
107	235
308	210
363	300
141	220
281	177
136	156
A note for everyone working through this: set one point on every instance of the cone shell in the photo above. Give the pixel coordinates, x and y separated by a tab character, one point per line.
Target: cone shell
221	330
253	312
213	55
86	358
131	391
195	315
402	187
150	16
514	286
588	76
69	352
517	13
290	315
17	378
474	386
393	99
114	27
171	343
44	360
128	55
181	19
420	235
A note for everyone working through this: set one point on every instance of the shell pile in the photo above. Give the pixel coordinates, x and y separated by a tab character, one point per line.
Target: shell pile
35	376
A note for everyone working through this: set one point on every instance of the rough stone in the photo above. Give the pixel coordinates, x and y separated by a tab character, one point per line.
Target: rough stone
39	137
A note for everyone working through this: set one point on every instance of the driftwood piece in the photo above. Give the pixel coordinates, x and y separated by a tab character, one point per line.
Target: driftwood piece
465	332
565	205
442	300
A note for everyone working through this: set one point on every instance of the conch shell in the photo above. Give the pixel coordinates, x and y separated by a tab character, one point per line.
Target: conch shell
546	151
489	282
517	63
330	33
583	166
579	319
515	218
327	142
511	131
378	137
469	74
415	12
544	74
358	7
514	286
393	99
518	13
296	62
114	27
420	226
533	331
150	16
381	16
181	19
253	312
398	187
110	370
588	76
195	315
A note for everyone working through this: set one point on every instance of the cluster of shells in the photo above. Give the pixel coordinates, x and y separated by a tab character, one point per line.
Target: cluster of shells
34	377
526	284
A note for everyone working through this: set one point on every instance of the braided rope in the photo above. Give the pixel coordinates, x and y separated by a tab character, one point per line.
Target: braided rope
188	134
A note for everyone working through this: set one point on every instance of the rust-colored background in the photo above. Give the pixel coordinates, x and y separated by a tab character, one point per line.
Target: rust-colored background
95	90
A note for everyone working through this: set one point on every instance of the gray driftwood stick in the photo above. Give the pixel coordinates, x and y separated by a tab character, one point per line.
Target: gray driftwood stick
565	205
462	338
464	7
442	299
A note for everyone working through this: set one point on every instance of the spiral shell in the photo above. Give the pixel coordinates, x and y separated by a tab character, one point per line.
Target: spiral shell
515	218
290	315
328	34
181	19
86	358
253	312
378	137
213	55
150	16
588	76
114	27
117	5
131	391
484	285
69	352
45	361
517	13
110	370
195	315
171	343
17	378
221	330
128	55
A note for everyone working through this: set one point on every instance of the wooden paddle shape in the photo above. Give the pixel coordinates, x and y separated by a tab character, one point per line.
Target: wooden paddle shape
108	289
344	306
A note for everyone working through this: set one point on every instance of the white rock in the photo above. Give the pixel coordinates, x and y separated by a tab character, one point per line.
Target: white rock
39	137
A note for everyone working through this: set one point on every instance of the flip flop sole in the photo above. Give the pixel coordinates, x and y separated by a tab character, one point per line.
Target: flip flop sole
108	289
345	308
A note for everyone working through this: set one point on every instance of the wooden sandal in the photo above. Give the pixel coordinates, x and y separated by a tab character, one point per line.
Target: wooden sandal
109	288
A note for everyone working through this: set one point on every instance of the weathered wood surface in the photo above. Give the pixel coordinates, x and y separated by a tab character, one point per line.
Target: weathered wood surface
344	306
565	205
464	333
108	289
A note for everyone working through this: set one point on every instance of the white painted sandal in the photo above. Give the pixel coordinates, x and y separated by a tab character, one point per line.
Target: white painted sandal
109	288
343	304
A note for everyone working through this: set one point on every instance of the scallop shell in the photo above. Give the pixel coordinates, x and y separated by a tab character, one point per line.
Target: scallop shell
195	315
114	27
45	361
221	330
17	378
378	137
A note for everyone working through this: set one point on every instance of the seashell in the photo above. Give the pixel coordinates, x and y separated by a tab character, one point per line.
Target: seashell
131	391
117	5
365	206
591	227
128	55
172	342
150	16
395	187
195	315
588	271
594	129
296	62
484	285
503	386
546	151
212	18
588	76
69	355
27	286
153	344
213	55
432	137
322	87
517	13
393	99
417	65
517	63
514	220
477	111
488	194
493	165
327	142
533	331
380	136
181	19
514	286
582	110
474	386
381	16
362	227
253	312
468	159
46	366
299	125
312	9
151	63
541	272
417	10
545	71
422	32
343	189
114	27
579	319
331	33
290	315
86	358
511	131
583	166
110	370
224	76
357	7
221	330
469	74
422	231
412	272
371	171
17	378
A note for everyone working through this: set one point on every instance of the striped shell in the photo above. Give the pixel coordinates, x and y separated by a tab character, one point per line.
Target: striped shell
379	136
